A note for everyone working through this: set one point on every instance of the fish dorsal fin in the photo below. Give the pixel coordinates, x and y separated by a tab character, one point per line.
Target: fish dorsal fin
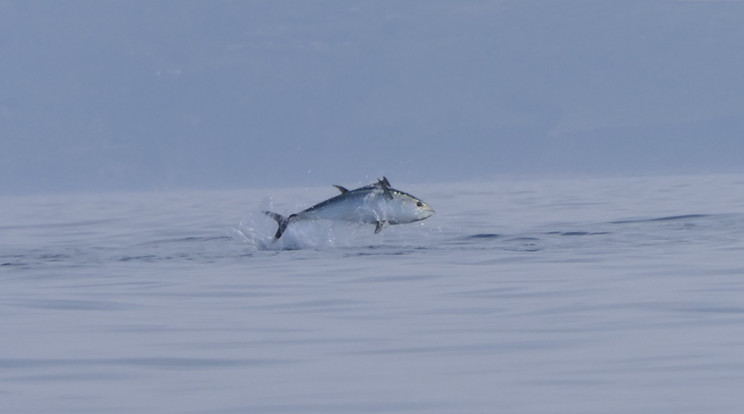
341	189
385	185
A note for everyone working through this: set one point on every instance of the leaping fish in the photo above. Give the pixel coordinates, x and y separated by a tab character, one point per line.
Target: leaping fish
377	204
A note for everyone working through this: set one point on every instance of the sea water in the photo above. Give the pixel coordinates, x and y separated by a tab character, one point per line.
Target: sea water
611	295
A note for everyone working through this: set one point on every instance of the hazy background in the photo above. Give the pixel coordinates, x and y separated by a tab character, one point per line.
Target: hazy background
109	95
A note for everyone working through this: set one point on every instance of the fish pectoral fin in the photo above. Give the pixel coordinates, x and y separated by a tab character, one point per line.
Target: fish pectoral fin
380	225
341	189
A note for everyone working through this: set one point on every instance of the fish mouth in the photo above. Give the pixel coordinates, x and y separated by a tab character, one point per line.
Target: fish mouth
428	212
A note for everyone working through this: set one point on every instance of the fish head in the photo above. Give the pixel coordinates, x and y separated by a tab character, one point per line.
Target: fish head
412	209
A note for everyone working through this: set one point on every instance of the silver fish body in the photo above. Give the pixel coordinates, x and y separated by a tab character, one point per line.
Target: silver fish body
377	204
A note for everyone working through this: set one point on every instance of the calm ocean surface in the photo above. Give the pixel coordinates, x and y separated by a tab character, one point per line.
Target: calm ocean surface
617	295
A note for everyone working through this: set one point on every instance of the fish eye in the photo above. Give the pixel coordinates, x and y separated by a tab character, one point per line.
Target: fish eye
419	204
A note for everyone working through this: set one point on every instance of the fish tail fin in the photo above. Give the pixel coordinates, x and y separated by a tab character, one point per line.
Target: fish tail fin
281	220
